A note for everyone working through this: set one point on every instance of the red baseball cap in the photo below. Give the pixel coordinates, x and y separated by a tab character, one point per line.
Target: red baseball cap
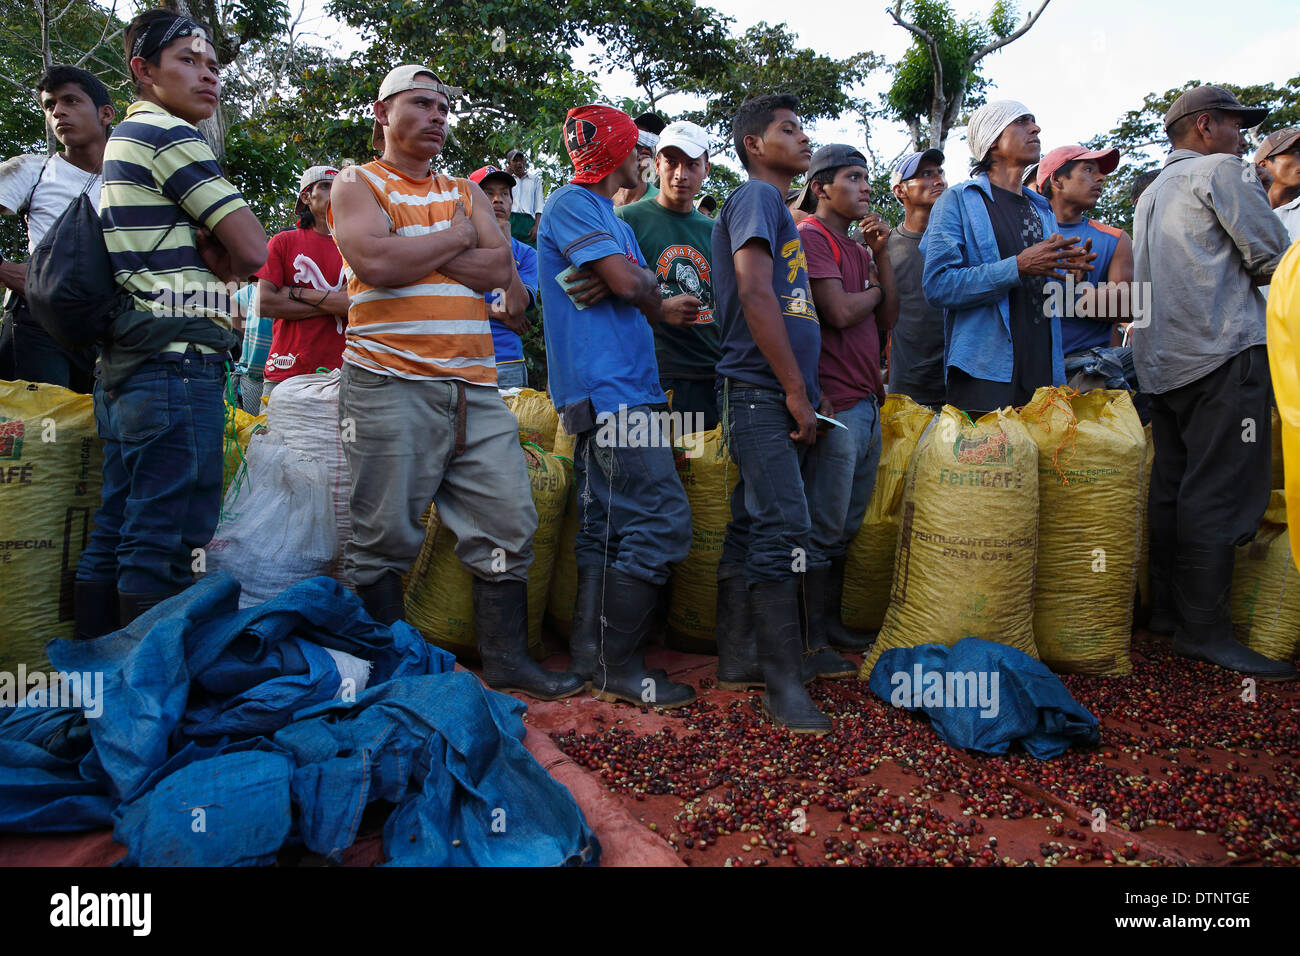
492	172
1107	160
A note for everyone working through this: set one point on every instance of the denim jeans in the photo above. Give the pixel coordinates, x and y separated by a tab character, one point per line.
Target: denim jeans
846	475
512	375
162	432
635	516
770	533
697	397
28	353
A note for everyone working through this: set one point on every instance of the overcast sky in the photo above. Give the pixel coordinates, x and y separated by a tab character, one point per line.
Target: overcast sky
1083	65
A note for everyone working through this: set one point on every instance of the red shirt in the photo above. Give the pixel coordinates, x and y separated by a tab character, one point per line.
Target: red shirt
849	367
304	257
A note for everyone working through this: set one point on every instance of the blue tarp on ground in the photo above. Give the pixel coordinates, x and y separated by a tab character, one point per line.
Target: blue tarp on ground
227	734
983	696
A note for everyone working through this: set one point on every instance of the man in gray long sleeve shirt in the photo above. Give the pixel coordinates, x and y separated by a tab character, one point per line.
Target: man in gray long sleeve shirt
1204	240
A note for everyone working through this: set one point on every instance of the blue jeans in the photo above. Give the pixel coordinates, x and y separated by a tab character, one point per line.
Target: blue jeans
512	375
635	516
162	432
770	535
846	475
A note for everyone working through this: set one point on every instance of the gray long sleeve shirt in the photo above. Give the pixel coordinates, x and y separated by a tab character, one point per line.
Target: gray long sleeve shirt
1203	229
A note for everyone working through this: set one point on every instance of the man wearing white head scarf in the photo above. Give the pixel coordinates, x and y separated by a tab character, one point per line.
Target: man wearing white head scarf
990	248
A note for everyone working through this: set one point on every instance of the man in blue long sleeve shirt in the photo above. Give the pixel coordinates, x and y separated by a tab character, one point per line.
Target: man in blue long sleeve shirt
986	262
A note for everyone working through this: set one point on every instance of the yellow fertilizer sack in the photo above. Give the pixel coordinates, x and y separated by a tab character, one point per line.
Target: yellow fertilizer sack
239	431
1266	588
1091	471
869	569
439	591
538	419
1144	550
564	442
968	537
51	475
708	475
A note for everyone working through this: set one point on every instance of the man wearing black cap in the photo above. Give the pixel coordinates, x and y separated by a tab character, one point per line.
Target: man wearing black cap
916	349
1279	158
854	293
649	126
1204	240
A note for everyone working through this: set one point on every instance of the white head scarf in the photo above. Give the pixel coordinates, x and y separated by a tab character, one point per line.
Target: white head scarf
988	122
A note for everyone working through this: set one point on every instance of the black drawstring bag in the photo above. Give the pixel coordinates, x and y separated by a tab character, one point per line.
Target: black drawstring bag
70	286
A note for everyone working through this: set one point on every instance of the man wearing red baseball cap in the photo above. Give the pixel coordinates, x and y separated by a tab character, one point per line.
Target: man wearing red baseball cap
508	309
1071	179
604	381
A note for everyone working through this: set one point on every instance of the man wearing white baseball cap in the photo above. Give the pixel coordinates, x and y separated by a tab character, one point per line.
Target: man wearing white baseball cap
989	249
301	288
419	382
676	240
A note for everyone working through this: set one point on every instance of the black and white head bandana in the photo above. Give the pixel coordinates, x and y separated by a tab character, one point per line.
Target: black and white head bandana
162	32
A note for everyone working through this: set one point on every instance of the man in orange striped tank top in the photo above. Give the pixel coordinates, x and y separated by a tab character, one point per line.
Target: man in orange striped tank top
418	397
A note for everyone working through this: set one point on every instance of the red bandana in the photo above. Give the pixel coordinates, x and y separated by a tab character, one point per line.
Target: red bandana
598	139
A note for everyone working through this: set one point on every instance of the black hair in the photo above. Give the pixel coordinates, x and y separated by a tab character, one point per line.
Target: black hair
1065	169
1183	125
823	176
1140	185
139	24
61	75
985	165
755	115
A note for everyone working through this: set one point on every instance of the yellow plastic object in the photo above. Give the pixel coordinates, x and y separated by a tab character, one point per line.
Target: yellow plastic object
439	589
968	538
869	569
1091	459
1284	362
538	419
239	431
51	476
708	476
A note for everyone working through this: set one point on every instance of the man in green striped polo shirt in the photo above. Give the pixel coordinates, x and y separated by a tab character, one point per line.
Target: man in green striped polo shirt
180	237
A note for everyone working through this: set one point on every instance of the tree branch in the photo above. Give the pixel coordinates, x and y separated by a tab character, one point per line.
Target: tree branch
108	22
938	101
998	44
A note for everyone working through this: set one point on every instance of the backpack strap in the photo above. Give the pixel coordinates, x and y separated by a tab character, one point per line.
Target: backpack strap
25	209
835	246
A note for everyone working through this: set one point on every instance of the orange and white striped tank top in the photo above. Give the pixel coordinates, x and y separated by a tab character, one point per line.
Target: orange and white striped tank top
433	328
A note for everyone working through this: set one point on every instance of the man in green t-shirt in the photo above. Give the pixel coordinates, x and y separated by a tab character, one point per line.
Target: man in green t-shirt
676	240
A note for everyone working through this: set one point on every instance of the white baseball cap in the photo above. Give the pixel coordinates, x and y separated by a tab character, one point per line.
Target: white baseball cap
412	76
689	138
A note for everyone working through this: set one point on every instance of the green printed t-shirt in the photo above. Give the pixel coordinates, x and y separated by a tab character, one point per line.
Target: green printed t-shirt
677	246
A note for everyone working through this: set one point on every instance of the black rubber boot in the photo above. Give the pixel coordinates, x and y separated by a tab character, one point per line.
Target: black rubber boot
1160	588
95	609
131	606
1202	589
501	627
738	667
585	634
837	634
383	600
820	660
621	673
774	607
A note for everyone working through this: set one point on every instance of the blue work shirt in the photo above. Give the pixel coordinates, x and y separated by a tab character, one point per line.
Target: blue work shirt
603	356
509	347
965	276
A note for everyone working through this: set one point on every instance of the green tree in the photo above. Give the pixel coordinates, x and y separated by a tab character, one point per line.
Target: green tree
1140	137
939	75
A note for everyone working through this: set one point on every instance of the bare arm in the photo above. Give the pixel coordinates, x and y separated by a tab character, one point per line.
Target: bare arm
380	257
1095	302
244	241
279	302
762	314
487	265
841	309
630	282
14	276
